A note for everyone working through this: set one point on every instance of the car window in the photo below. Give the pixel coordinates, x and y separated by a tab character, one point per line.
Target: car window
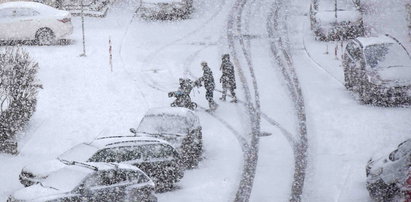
105	178
25	12
136	176
6	13
128	153
105	155
386	55
155	151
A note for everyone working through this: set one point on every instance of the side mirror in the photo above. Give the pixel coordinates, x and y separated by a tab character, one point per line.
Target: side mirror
133	130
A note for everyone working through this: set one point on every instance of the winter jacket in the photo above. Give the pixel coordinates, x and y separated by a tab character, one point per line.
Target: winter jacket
207	78
228	75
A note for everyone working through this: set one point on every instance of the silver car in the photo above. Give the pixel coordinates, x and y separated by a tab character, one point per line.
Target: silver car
386	174
379	70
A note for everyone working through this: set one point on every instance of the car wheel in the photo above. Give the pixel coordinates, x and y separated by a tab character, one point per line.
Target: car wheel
365	94
347	78
45	36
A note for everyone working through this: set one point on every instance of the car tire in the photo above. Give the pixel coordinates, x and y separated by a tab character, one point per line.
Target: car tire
364	92
45	37
347	78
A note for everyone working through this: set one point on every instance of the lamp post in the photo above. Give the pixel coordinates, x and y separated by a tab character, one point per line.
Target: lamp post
82	28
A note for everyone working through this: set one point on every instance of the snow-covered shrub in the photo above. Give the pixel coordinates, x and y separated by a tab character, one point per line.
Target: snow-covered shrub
18	94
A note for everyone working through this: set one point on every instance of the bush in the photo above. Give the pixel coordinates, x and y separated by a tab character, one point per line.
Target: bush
18	95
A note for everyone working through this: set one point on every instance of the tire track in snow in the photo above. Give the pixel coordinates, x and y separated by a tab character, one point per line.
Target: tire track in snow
284	61
151	83
120	53
251	156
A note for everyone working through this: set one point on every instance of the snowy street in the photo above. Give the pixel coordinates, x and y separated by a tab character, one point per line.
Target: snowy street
321	134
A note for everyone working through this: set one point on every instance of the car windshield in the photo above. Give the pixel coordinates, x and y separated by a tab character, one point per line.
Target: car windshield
163	124
65	179
329	5
386	55
81	152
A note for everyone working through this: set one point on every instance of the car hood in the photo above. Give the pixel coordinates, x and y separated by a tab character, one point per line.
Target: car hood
43	169
37	193
397	76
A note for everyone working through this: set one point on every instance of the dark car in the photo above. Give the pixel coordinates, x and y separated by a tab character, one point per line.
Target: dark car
379	70
386	175
91	182
336	19
180	127
157	158
165	9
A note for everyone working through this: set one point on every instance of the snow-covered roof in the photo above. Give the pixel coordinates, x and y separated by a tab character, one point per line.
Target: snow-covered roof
26	4
367	41
162	1
329	5
189	115
327	17
112	141
180	111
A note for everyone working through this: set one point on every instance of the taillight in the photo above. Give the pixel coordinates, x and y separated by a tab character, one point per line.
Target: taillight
65	20
409	181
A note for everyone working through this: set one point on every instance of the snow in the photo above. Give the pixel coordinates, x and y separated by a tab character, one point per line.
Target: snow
82	97
162	1
328	17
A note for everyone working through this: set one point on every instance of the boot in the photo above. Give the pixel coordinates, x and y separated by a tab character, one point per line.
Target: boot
222	98
234	100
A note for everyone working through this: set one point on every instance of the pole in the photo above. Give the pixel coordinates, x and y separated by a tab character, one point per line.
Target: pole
111	53
82	28
335	8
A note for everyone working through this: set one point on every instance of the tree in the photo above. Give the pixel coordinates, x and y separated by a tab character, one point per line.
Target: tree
18	95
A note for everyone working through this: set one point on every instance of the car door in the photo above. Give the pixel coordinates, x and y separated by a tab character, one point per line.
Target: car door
26	24
7	22
100	186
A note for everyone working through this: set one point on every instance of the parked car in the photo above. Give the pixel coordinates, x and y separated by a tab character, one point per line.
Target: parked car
166	9
386	175
336	19
180	127
157	158
406	188
33	21
379	69
91	182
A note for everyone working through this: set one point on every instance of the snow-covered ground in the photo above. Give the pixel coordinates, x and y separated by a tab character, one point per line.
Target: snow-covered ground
82	99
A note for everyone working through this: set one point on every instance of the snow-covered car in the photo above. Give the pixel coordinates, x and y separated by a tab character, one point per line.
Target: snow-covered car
336	19
379	69
33	21
157	158
180	127
166	9
91	182
386	175
406	188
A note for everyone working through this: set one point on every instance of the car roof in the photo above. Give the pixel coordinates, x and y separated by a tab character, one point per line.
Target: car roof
26	4
368	41
129	140
176	111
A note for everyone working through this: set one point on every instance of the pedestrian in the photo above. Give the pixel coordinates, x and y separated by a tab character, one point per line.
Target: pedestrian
208	80
227	78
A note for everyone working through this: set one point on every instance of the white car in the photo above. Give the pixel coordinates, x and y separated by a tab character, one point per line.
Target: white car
33	21
166	9
179	126
91	182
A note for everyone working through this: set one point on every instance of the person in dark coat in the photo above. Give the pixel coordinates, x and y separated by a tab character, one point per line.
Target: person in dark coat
208	80
227	78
